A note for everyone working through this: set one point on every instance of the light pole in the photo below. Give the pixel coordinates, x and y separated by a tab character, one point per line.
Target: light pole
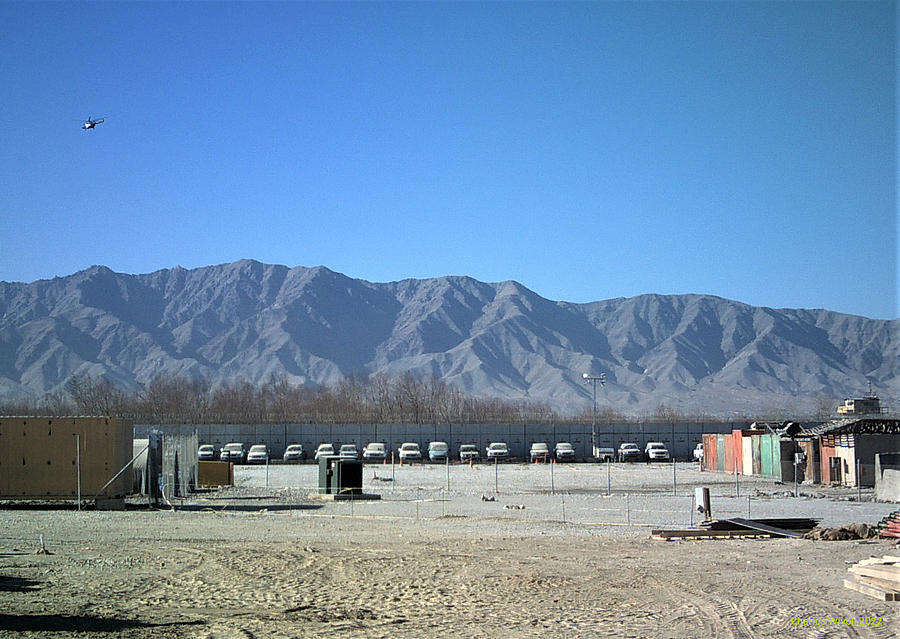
602	379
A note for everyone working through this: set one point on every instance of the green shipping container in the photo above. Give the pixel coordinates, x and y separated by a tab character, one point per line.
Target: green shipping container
720	452
765	455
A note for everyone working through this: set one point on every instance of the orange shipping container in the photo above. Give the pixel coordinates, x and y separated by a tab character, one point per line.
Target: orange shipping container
729	454
737	453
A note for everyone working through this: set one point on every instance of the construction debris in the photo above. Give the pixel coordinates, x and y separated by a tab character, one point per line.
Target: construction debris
877	577
842	533
737	528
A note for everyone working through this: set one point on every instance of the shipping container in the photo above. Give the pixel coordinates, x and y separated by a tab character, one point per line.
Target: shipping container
757	461
747	455
729	453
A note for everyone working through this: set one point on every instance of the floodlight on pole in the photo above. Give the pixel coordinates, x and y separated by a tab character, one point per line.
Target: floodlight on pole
601	378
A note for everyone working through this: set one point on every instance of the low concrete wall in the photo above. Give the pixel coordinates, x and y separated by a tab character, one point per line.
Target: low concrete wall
887	477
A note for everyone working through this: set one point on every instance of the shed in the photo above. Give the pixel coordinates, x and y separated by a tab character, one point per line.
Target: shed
65	458
850	445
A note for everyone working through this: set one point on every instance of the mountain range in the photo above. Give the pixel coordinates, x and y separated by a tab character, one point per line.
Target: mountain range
247	320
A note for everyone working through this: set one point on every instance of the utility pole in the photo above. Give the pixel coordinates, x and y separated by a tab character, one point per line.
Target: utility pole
593	380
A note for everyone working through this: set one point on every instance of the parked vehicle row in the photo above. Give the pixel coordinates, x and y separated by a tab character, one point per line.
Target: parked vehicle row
437	452
653	451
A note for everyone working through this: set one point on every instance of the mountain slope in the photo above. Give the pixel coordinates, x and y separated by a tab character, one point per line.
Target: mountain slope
250	320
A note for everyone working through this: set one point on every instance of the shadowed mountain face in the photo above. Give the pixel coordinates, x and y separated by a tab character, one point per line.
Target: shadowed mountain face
249	320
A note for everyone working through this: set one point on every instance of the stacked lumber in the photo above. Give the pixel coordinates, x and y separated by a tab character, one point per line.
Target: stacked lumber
890	525
737	528
797	525
877	577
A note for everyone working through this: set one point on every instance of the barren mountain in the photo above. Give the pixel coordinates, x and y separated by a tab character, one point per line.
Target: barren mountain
250	320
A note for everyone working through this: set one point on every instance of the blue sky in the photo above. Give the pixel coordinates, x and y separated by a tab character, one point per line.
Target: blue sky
587	150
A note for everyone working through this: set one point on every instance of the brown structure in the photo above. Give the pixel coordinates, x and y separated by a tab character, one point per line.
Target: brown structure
851	444
60	458
211	474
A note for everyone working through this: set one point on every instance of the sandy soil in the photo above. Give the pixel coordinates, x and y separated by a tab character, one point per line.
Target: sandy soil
278	567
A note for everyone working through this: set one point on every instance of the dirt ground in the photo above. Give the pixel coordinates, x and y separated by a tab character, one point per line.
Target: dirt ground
275	567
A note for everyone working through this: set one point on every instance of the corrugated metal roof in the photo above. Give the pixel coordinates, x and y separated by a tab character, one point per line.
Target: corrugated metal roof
858	426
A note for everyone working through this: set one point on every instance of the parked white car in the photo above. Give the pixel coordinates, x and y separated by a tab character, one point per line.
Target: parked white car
497	450
469	453
564	452
293	453
410	451
233	452
258	454
207	452
656	451
629	452
324	450
374	452
698	452
349	451
539	452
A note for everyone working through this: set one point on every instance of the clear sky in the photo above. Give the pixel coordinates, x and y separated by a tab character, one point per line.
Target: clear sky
587	150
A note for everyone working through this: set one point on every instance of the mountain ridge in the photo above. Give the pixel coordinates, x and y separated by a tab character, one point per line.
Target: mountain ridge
249	320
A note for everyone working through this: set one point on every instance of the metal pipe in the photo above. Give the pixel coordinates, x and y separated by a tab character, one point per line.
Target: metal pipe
674	478
552	484
496	473
628	509
608	480
858	481
115	477
78	466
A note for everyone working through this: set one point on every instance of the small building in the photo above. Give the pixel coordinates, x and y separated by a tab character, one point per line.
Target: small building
869	405
848	448
64	458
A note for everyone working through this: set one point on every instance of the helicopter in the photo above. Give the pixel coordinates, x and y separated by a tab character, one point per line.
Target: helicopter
91	123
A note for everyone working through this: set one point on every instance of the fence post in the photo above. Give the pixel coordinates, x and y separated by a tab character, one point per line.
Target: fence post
496	473
693	505
674	478
627	509
608	480
552	484
78	466
858	481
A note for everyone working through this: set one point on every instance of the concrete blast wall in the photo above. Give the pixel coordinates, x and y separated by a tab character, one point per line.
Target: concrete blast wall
679	438
887	477
38	457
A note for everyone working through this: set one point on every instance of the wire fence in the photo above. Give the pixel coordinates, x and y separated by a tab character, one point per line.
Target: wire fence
613	495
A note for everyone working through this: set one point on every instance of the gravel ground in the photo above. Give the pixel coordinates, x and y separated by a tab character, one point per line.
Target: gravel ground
639	494
262	559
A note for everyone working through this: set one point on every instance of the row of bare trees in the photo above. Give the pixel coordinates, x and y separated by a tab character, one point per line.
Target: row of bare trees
375	399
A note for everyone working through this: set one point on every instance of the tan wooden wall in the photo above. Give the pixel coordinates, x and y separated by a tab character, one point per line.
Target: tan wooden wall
38	457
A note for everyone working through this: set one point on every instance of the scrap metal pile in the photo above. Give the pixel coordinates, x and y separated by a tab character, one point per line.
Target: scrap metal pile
890	525
738	527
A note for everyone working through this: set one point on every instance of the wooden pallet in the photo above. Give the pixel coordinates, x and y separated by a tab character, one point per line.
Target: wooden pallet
690	533
878	578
